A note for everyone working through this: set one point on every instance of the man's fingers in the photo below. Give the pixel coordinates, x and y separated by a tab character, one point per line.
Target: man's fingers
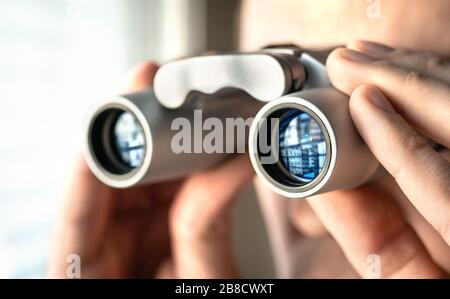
90	204
422	100
139	78
165	270
374	236
200	221
371	48
424	63
304	219
84	219
422	174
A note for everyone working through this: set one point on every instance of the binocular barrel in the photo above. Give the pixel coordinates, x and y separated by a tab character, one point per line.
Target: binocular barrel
311	147
133	139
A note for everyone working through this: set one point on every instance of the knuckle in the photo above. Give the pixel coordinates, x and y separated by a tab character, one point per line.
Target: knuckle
401	243
384	64
403	52
183	218
420	81
435	62
186	213
193	222
406	57
419	67
414	78
383	67
416	145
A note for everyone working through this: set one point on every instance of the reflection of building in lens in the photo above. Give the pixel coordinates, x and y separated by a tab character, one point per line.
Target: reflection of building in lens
302	145
129	140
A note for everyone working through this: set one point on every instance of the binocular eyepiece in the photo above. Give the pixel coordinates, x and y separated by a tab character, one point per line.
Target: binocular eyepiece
300	135
312	145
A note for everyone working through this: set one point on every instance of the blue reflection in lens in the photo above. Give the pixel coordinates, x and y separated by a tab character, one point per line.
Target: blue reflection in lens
129	139
302	145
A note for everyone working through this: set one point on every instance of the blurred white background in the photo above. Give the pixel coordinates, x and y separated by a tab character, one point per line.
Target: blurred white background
56	58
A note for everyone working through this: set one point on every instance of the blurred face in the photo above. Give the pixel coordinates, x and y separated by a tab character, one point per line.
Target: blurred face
420	24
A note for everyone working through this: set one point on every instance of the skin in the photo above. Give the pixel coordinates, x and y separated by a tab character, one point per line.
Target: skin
419	25
182	228
165	230
421	29
369	219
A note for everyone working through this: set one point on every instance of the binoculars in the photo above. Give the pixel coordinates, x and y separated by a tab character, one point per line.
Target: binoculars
278	102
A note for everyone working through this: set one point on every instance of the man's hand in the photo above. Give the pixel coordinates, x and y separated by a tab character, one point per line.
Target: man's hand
173	229
398	98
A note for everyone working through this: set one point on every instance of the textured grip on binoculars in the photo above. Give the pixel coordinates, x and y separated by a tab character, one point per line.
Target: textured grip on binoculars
264	77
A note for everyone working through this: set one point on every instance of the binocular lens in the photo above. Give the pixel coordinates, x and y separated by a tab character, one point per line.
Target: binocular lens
302	145
305	143
129	140
117	141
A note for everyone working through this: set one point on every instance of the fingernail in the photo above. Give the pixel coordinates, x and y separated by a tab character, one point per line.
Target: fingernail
378	99
375	48
356	56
